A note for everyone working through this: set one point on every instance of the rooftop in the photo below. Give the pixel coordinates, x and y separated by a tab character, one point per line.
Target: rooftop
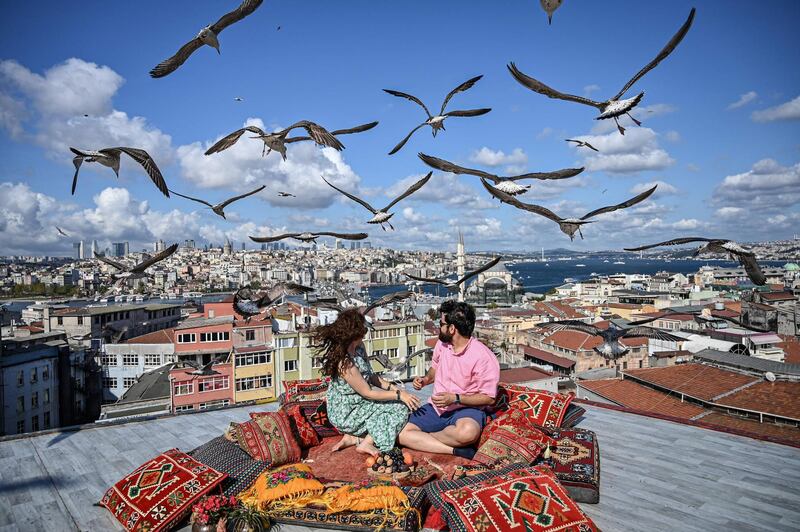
626	392
546	356
203	322
164	336
515	375
694	380
748	363
92	310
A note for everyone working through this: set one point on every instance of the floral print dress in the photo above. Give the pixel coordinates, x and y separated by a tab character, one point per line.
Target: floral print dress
359	416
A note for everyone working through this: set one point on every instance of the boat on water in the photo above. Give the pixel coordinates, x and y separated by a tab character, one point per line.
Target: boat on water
580	265
570	280
606	260
619	262
593	274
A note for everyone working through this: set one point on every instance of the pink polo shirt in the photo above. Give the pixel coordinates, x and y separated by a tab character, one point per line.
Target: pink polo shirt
473	370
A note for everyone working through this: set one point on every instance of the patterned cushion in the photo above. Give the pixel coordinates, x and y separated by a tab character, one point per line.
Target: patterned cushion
575	459
316	412
434	490
572	416
306	436
543	408
529	499
227	457
369	494
160	492
275	439
509	439
304	390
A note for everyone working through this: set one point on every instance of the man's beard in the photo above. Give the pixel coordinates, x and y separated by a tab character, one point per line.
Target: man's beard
445	338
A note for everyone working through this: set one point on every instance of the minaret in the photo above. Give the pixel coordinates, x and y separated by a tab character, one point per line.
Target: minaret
461	262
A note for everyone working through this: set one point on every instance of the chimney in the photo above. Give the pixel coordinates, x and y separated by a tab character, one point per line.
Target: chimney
46	319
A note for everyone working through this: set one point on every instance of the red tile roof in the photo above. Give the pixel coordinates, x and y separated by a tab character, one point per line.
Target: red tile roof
777	296
790	346
164	336
630	394
695	380
253	349
573	340
550	358
515	375
786	432
778	398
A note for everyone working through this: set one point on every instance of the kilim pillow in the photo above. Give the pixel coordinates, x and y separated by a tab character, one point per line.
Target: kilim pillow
509	439
572	416
434	490
306	436
316	412
293	481
530	498
227	457
575	460
160	492
305	390
543	408
274	438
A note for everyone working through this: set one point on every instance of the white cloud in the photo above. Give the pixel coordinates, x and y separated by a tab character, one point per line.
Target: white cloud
12	114
730	212
636	151
544	133
692	167
743	100
786	111
443	189
663	189
767	186
589	89
413	216
672	136
489	157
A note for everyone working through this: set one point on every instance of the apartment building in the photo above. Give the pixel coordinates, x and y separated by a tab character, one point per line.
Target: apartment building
114	322
123	364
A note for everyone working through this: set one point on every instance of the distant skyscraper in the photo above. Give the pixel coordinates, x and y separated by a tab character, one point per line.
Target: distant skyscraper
226	249
159	246
119	249
243	248
95	248
188	244
82	251
76	249
339	244
366	244
263	247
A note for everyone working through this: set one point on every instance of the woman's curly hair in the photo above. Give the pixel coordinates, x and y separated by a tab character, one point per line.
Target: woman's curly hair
332	341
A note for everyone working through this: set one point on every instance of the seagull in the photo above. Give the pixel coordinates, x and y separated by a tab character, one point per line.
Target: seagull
397	372
111	157
382	216
238	99
506	184
567	225
385	300
611	348
613	107
309	237
61	231
550	7
207	35
248	303
277	141
112	333
137	271
286	194
437	122
219	207
582	144
744	256
453	285
199	370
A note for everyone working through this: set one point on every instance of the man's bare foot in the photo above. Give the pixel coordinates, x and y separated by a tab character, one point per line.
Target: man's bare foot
367	447
347	440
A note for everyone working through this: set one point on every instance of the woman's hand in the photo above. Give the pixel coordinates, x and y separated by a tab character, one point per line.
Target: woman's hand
410	400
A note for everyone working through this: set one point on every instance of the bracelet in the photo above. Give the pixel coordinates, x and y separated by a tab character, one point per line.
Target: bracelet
398	395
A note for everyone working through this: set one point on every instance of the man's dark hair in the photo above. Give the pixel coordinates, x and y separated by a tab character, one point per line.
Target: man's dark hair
460	314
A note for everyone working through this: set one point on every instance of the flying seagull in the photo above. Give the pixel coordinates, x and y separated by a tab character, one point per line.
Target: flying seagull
611	348
219	208
613	107
453	285
207	35
286	194
744	256
567	225
238	99
248	303
437	122
506	184
203	370
385	300
111	157
61	231
550	7
582	144
137	271
382	216
309	237
398	371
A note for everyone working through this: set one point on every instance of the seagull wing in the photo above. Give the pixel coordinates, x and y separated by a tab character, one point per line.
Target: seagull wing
649	332
469	112
574	325
244	9
483	268
115	264
241	196
558	174
403	142
198	200
447	166
149	165
511	200
625	204
748	260
405	361
318	134
425	279
388	298
168	66
673	242
77	161
590	146
537	86
345	236
158	257
289	289
275	238
676	39
409	97
357	129
369	207
461	88
413	188
229	140
61	231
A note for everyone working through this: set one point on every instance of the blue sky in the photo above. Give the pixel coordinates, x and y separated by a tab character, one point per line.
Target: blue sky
721	119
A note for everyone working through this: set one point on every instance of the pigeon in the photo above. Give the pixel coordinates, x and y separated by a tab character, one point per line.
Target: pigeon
582	144
506	184
309	237
219	208
61	231
453	286
437	122
613	107
137	271
111	157
744	256
248	303
204	370
399	371
611	348
286	194
568	226
382	216
550	7
207	35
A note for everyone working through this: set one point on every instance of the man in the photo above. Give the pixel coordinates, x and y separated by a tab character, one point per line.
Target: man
464	374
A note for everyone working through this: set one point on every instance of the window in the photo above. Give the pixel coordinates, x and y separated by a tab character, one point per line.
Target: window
60	320
184	408
316	362
152	360
20	404
46	397
285	342
97	320
109	382
183	387
34	423
377	353
20	426
392	353
253	383
252	359
34	400
249	335
411	349
46	373
46	419
221	336
214	404
214	383
187	338
127	382
108	359
640	364
21	378
290	365
80	320
34	375
130	359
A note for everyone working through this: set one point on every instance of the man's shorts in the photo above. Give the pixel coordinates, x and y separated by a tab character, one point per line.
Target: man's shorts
428	420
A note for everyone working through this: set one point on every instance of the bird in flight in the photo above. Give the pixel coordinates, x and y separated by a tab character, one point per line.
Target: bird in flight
550	7
219	208
137	271
582	144
437	122
286	194
614	107
238	99
399	371
382	216
568	226
309	237
453	285
207	35
249	303
385	300
737	252
204	370
506	184
61	231
111	157
611	348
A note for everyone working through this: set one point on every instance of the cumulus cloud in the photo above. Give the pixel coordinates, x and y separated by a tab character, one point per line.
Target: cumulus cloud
412	216
786	111
663	189
730	212
743	100
589	89
636	151
544	133
515	162
12	114
443	189
672	136
766	186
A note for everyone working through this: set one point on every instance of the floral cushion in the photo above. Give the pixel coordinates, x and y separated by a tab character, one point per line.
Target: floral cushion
543	408
306	435
275	440
304	390
294	482
511	438
160	492
227	457
529	499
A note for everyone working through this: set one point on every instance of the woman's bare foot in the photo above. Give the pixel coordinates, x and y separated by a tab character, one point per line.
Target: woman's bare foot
367	446
347	440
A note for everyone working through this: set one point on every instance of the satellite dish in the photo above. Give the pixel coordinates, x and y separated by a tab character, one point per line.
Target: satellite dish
769	376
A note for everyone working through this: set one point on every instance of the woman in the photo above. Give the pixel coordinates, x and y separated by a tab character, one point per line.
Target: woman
369	411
